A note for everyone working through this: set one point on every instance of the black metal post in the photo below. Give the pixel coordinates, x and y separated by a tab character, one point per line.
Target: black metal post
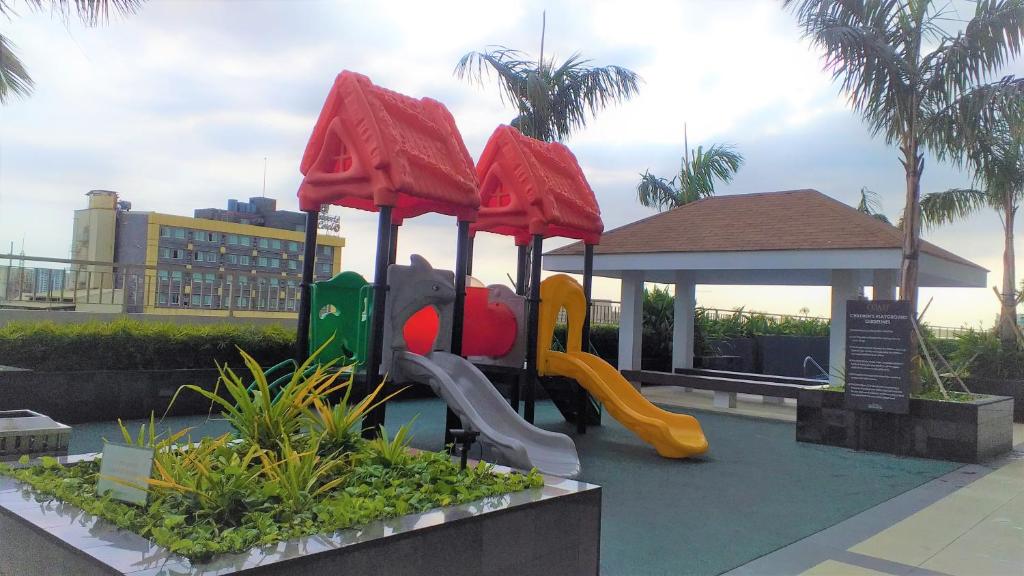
373	419
521	269
393	244
462	244
469	255
582	398
532	325
306	287
522	263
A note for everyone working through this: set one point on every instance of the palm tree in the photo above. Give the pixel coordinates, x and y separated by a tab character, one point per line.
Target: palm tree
999	169
696	179
14	77
878	51
552	101
871	205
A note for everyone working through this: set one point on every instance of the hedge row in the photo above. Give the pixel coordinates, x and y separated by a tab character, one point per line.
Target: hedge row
127	344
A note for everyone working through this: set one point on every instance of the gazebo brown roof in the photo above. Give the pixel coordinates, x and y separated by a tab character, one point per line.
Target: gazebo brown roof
766	221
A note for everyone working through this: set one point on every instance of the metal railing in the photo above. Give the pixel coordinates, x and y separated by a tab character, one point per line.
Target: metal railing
38	283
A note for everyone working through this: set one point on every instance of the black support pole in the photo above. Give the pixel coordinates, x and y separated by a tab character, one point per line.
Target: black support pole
522	265
393	244
532	325
306	287
469	255
582	398
385	231
462	254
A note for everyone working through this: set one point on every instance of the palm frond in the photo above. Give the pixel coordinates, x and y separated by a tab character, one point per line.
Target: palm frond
658	193
698	178
992	37
939	208
89	12
14	78
871	204
551	101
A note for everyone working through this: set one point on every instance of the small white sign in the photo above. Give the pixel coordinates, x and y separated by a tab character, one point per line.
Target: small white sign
124	471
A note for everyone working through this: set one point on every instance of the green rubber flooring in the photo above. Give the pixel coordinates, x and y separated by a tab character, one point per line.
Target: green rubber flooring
756	490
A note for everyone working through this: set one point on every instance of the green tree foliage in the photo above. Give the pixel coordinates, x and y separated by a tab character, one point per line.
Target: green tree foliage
700	171
552	100
916	83
14	77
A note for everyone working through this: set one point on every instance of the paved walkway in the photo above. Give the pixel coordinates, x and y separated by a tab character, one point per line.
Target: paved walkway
969	522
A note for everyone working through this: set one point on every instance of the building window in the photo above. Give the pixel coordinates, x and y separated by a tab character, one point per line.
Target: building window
176	275
264	243
326	250
244	260
261	261
325	268
208	300
274	282
275	244
233	239
208	278
275	263
245	241
232	258
293	265
177	254
179	233
293	246
175	298
165	252
161	298
165	232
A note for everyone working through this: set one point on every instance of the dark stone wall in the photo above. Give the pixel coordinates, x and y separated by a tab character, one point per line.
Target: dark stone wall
1012	388
103	395
959	431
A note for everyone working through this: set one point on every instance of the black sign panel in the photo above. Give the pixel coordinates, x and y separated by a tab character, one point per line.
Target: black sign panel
878	355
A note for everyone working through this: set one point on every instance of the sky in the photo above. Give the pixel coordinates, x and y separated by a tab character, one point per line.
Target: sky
177	107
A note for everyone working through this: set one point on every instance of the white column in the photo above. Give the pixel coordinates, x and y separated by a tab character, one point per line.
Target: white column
844	287
884	285
631	320
683	313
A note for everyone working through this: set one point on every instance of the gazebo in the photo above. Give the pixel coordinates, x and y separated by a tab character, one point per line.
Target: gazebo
790	238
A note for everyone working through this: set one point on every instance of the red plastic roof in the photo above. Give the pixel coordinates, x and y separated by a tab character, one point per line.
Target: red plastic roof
373	147
532	187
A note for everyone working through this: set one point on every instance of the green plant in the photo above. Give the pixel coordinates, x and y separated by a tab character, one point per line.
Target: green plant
552	101
916	83
339	424
296	478
209	479
696	178
263	418
388	451
128	344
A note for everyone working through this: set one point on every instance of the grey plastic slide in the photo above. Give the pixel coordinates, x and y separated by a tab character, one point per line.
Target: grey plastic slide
505	436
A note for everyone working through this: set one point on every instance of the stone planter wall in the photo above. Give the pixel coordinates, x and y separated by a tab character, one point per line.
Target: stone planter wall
1012	388
551	530
960	431
100	395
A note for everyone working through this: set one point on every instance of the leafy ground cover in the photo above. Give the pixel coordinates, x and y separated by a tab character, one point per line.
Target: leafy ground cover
295	465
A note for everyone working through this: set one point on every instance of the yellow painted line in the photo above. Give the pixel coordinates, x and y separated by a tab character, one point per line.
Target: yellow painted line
835	568
935	529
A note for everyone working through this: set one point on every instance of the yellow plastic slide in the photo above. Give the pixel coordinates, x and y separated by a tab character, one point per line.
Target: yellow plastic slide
672	435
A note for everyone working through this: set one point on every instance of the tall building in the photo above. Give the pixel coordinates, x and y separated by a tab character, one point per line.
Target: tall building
245	261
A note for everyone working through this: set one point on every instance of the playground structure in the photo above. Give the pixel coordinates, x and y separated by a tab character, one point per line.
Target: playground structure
377	150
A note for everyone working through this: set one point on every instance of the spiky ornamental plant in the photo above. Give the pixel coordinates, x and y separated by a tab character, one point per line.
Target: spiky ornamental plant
998	164
14	77
917	83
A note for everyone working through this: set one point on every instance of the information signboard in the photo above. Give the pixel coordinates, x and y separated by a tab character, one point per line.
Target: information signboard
124	471
878	355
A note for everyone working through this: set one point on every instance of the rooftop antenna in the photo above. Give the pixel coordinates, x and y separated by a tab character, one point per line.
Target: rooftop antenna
264	176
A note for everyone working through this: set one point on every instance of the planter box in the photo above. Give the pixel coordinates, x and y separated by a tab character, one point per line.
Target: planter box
960	431
550	530
1011	388
101	395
